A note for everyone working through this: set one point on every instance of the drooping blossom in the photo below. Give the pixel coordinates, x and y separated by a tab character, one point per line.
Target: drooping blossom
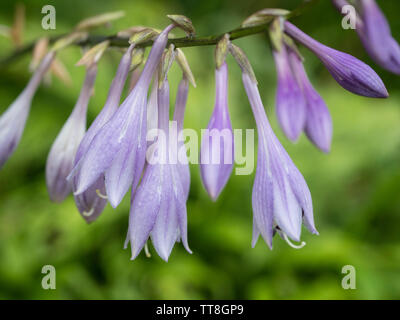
13	120
375	34
290	103
377	38
351	73
281	198
92	201
118	150
179	112
217	151
158	208
318	121
60	160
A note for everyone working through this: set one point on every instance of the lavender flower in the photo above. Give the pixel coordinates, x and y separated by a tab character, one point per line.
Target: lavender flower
158	208
318	122
152	106
119	148
351	73
12	122
290	103
374	32
281	198
92	201
217	147
62	153
179	112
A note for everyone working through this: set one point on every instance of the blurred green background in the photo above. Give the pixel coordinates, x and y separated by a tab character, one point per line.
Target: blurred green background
356	188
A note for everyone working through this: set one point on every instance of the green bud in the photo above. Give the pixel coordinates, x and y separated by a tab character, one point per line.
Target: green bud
276	34
137	58
72	38
129	32
94	54
292	45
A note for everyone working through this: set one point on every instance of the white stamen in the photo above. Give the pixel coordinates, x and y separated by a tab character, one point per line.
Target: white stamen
103	196
295	246
146	251
88	213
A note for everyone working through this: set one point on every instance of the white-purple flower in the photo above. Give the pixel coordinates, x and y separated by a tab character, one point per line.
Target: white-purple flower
158	208
374	32
351	73
217	150
60	160
92	201
118	150
318	121
281	198
290	103
179	113
13	120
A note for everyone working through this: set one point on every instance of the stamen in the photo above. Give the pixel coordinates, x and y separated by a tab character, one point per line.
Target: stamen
103	196
146	251
88	213
290	243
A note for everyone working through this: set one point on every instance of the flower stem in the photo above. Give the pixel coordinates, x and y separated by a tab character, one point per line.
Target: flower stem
116	41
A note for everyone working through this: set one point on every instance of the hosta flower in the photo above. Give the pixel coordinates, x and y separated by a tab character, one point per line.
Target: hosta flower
351	73
281	198
119	148
62	153
152	106
217	146
158	208
290	103
375	34
179	112
91	203
318	122
12	122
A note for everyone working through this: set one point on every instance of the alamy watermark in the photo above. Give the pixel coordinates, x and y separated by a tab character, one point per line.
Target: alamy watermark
349	280
349	20
49	280
49	19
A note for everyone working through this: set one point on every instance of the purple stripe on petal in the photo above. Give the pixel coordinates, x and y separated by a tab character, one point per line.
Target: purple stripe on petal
122	135
179	112
280	194
159	204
